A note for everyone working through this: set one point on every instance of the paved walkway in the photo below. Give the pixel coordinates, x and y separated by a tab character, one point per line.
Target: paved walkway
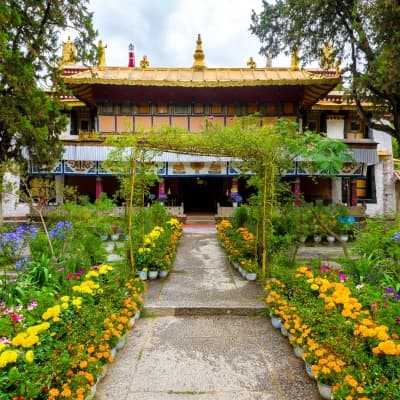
205	338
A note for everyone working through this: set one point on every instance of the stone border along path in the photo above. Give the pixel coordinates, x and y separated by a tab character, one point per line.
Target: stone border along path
205	337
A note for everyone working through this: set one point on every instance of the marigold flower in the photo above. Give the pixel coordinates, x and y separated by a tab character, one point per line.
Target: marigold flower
29	356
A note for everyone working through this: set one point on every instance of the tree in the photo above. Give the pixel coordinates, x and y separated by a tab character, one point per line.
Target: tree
31	117
364	34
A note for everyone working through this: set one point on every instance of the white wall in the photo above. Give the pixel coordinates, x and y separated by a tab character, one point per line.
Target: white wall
12	208
335	126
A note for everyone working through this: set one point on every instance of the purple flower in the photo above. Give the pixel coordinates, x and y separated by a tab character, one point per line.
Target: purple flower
397	320
343	277
235	196
389	290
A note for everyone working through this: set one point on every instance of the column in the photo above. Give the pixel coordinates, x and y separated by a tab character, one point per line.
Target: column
353	198
297	192
99	186
59	181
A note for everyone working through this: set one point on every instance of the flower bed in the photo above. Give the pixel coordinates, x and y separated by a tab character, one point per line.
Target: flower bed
158	248
58	347
344	340
240	247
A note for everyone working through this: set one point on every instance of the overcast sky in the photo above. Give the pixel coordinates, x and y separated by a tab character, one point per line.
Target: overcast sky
166	31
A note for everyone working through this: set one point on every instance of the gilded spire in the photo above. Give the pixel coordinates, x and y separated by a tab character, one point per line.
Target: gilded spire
198	55
68	52
251	63
144	62
101	54
294	60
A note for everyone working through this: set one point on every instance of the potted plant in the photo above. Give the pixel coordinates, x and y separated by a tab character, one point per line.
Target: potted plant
162	198
235	198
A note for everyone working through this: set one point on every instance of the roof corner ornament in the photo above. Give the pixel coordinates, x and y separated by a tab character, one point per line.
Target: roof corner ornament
198	55
101	55
251	63
144	62
68	52
327	60
294	60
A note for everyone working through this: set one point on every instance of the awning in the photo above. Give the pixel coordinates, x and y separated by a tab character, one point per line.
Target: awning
365	156
100	153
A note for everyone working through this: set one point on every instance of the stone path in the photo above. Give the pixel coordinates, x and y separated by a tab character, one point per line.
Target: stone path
205	338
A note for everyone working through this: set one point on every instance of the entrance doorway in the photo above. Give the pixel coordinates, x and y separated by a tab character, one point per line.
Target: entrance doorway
200	194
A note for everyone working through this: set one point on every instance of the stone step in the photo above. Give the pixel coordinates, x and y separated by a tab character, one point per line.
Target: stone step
200	219
164	311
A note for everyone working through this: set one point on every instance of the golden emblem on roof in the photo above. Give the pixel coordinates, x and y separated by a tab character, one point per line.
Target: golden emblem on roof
198	55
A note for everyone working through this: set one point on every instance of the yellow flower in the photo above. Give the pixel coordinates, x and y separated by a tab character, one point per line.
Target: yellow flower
8	357
29	356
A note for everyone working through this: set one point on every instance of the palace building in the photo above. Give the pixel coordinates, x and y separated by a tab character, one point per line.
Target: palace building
110	101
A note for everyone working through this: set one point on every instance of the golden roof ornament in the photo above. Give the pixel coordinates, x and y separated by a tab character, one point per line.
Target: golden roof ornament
294	60
251	63
68	52
327	60
101	54
144	62
198	55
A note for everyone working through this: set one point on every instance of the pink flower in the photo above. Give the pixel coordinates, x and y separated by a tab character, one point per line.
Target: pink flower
32	305
17	318
9	310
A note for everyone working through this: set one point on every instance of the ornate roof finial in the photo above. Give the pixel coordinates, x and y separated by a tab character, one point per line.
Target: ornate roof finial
144	62
327	57
131	62
294	60
68	52
251	63
199	55
101	54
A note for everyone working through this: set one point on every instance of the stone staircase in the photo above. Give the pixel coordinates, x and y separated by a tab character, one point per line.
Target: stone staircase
200	219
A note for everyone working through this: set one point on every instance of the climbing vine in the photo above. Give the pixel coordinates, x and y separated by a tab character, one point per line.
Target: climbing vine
265	151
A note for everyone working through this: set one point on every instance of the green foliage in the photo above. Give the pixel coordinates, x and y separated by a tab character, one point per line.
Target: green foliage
241	217
30	119
365	34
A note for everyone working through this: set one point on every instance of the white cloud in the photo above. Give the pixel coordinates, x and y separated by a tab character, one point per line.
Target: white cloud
166	31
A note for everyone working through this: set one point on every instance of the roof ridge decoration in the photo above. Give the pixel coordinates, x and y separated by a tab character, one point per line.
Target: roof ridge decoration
68	52
251	63
101	55
199	64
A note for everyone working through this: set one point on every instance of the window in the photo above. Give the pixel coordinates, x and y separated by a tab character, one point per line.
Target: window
144	109
126	109
107	108
198	109
162	109
181	109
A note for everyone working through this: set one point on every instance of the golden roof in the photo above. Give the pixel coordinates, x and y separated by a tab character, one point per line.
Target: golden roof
209	77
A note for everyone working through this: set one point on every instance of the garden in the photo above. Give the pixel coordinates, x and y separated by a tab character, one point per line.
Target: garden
65	310
342	318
